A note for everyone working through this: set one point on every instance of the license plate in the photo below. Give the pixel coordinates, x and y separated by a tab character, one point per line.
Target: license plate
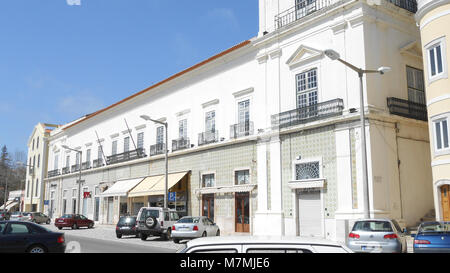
125	227
60	221
370	247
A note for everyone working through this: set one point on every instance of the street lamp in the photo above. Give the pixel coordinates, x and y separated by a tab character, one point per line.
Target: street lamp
333	55
79	180
147	118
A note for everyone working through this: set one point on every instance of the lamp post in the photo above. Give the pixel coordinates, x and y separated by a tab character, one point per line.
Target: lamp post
147	118
333	55
79	180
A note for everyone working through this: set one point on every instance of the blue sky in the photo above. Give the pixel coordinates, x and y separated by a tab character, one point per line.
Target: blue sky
60	60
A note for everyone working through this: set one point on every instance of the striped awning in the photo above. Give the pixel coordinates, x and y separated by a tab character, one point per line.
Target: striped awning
121	188
154	185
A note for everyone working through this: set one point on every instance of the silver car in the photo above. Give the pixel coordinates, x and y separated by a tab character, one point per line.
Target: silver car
377	236
190	227
20	216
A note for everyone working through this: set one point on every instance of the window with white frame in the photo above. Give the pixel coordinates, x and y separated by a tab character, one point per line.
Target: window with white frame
55	163
436	59
140	140
37	187
306	88
77	159
182	129
88	155
114	147
99	153
208	180
307	170
416	86
67	161
160	135
441	134
242	177
126	144
210	121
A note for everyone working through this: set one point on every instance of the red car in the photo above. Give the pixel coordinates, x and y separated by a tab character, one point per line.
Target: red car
74	221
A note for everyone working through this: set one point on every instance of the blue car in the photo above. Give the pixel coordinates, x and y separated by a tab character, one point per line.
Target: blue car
432	237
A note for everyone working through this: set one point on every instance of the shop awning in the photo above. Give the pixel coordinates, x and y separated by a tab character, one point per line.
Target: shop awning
154	185
11	205
227	189
121	188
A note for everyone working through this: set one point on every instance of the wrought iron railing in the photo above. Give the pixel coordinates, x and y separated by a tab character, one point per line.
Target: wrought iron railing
180	144
408	109
65	170
157	149
126	156
75	168
306	7
53	173
241	129
98	163
309	113
208	137
85	165
409	5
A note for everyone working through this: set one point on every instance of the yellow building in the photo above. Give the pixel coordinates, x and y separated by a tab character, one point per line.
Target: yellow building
433	18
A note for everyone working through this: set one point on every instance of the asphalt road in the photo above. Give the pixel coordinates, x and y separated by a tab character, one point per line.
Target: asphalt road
77	244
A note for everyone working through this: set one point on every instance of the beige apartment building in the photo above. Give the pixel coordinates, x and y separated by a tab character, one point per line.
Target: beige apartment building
433	18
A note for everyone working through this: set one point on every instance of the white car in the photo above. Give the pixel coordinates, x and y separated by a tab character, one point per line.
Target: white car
191	227
263	244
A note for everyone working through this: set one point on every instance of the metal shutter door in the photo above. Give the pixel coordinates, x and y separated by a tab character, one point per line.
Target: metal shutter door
310	216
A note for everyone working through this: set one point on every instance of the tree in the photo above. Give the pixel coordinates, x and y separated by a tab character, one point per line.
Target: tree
11	175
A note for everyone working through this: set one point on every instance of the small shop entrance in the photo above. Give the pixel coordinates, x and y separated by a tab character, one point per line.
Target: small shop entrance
242	212
208	206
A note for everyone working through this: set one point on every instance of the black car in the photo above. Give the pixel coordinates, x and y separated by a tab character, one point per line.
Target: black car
126	226
22	237
4	215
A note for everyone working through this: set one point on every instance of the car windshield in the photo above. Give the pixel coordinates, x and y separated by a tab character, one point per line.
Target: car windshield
127	220
26	213
373	226
149	213
188	220
435	227
16	213
67	216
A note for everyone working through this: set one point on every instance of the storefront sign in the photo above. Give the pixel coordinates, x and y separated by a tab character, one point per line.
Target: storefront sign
87	194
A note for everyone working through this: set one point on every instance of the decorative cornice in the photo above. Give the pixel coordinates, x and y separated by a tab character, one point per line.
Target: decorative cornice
209	103
243	92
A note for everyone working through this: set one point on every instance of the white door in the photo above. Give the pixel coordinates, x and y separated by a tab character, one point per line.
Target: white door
310	213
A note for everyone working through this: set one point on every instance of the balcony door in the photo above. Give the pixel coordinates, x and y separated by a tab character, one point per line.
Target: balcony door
242	212
307	97
244	117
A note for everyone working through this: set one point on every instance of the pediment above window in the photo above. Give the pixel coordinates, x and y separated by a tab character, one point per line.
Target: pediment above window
413	49
304	55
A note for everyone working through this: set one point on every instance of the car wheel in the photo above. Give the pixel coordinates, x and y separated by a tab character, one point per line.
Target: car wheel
218	232
176	241
169	234
204	234
48	222
90	225
59	228
143	237
75	226
37	249
119	236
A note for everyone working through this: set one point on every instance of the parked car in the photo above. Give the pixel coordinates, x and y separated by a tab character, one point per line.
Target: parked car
190	227
263	244
21	216
432	237
126	226
156	221
38	217
19	236
73	221
4	215
377	235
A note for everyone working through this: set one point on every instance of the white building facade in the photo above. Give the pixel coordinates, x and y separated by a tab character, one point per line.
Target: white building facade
264	137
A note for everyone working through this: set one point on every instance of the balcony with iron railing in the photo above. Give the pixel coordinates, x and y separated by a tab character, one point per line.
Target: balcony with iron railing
97	163
157	149
53	173
75	168
65	170
85	165
241	129
126	156
408	109
208	137
307	7
308	114
180	144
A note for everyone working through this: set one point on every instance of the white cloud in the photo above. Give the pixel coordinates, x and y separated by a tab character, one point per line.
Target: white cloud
73	2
